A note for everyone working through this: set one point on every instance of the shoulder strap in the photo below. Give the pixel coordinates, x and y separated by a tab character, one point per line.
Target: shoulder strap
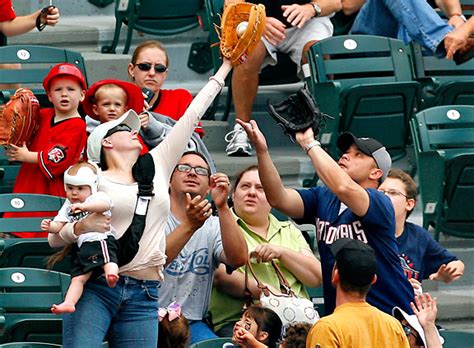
143	172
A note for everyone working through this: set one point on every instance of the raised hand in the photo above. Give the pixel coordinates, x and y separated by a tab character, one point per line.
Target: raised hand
197	211
255	135
220	187
447	273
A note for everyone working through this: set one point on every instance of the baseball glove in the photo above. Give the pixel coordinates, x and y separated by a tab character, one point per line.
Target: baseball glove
297	113
235	46
19	118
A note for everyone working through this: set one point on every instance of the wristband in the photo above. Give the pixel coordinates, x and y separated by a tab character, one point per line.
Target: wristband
311	145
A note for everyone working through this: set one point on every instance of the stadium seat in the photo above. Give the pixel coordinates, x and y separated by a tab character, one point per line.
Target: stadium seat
316	295
366	84
29	345
282	73
27	296
443	140
164	17
25	202
8	172
444	82
36	61
214	343
457	339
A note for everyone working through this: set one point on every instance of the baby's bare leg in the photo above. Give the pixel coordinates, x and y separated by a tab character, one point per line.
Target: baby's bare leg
73	295
111	273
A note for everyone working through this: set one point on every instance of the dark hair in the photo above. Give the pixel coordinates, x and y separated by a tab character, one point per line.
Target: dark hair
362	290
268	321
197	154
148	44
241	174
408	182
295	336
173	334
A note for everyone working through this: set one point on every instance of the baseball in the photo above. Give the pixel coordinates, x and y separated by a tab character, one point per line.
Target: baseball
241	28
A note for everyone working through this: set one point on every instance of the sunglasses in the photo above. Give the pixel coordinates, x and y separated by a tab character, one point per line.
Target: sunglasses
118	128
159	68
409	331
186	168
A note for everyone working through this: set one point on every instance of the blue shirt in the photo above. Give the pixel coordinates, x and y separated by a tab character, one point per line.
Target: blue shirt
376	228
420	255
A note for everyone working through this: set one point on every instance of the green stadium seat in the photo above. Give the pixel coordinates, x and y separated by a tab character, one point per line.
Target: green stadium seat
164	17
444	82
8	172
213	343
457	339
316	295
27	296
26	202
36	61
366	84
443	138
29	345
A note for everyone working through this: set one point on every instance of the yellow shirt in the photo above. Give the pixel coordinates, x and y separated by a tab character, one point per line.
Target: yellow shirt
357	325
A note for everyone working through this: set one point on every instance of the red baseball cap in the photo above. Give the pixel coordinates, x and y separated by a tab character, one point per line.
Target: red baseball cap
135	100
64	69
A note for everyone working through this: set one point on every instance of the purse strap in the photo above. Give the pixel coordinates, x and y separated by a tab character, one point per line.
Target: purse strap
284	285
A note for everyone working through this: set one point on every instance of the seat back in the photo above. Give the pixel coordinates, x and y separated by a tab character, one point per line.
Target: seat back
8	172
366	83
444	82
29	345
36	61
456	339
25	202
443	139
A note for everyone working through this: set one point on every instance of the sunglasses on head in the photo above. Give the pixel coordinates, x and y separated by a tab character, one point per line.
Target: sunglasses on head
410	331
118	128
159	68
186	168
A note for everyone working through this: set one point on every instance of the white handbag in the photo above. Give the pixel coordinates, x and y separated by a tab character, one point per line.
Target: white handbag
289	307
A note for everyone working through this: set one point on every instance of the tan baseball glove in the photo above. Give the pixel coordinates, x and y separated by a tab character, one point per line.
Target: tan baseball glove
19	118
242	26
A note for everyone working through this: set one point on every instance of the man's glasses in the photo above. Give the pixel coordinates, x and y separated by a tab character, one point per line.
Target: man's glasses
409	331
159	68
393	193
186	168
118	128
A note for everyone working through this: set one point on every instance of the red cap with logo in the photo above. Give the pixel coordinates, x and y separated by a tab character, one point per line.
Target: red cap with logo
64	69
135	100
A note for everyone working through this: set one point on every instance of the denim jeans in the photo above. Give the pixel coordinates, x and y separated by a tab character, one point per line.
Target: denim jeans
403	19
128	313
199	332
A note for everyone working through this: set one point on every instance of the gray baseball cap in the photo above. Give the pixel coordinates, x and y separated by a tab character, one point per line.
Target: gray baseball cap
370	147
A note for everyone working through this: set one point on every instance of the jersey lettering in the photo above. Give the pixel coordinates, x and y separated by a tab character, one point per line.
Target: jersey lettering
56	154
329	234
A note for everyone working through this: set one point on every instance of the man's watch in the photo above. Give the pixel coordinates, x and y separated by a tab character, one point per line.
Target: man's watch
317	8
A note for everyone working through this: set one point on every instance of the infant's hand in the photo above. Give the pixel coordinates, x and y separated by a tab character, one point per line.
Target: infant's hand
45	224
77	208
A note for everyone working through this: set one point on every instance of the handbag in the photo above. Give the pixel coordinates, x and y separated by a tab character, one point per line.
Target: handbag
289	307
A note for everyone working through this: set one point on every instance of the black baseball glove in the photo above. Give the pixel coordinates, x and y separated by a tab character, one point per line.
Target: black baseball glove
297	113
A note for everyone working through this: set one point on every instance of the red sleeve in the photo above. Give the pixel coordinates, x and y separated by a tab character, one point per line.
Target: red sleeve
63	148
7	13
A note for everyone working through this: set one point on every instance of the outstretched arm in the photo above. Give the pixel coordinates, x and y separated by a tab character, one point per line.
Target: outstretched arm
450	272
339	182
97	206
288	201
425	309
24	24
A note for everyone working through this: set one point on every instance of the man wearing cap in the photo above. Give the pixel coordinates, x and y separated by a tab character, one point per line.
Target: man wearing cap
348	206
355	323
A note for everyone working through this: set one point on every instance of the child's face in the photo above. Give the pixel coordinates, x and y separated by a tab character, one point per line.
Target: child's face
110	104
246	322
65	93
78	193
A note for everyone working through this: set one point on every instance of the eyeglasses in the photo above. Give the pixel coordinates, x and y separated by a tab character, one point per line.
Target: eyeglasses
186	168
409	331
118	128
159	68
393	193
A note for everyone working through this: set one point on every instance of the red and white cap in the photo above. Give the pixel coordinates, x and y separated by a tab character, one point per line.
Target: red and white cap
135	100
64	69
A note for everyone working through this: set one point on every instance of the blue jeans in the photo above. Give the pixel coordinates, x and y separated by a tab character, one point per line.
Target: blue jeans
128	313
200	332
403	19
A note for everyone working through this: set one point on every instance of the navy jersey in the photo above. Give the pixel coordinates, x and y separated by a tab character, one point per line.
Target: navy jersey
377	228
420	255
